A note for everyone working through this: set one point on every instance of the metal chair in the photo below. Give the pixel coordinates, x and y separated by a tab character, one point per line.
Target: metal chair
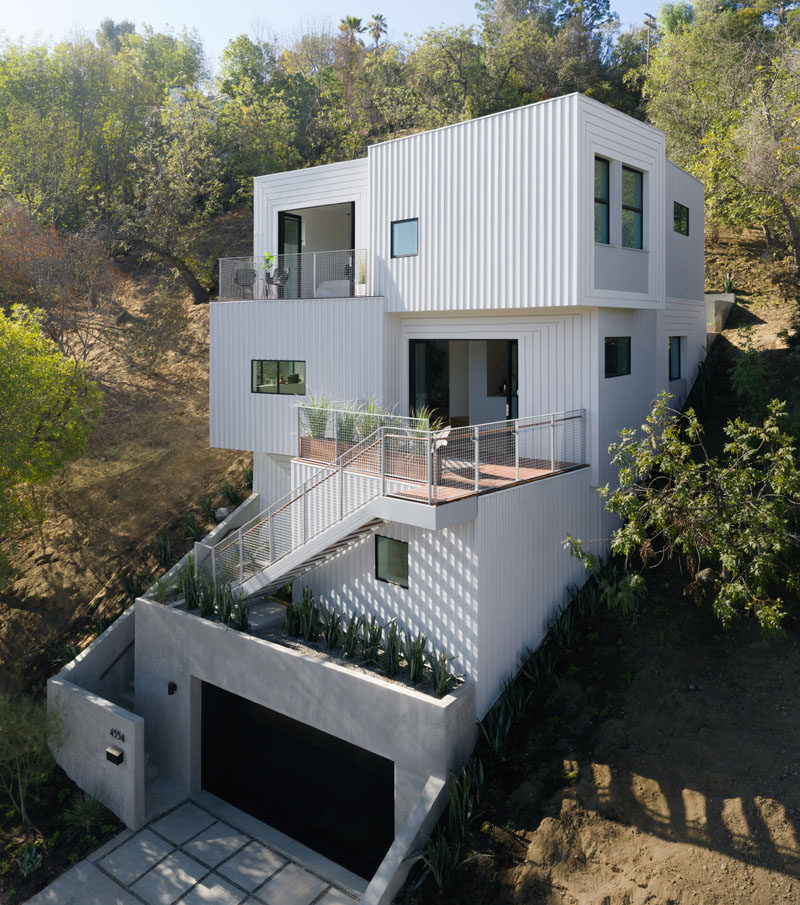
244	279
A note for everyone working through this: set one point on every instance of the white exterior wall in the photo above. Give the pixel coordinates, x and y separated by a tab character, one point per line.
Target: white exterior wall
272	477
685	255
482	590
339	340
497	206
333	183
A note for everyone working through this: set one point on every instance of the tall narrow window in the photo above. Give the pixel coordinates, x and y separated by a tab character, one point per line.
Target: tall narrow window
618	356
391	560
675	346
601	231
632	208
680	215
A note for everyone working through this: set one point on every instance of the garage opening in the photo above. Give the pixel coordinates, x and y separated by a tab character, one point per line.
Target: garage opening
332	796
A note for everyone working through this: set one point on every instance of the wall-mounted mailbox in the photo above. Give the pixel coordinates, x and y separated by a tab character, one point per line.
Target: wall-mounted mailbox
114	754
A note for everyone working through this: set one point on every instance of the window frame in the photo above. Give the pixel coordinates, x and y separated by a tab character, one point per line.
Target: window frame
278	362
392	224
635	210
617	372
605	202
678	341
678	210
394	540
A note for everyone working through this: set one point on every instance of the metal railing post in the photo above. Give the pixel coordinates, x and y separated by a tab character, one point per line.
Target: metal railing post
335	437
516	450
314	275
305	516
428	463
383	460
477	443
341	492
552	443
241	557
271	539
213	567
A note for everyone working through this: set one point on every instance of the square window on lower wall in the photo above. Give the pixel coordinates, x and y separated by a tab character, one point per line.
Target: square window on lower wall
391	560
618	356
278	376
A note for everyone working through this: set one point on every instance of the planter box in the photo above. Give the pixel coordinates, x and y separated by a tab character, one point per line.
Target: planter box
322	449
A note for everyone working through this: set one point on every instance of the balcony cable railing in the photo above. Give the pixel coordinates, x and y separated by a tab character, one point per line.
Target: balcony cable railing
396	459
306	275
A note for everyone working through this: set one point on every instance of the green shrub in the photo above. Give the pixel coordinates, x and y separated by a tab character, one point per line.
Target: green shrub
391	652
63	652
443	859
751	378
464	799
317	411
371	639
562	631
207	509
206	597
131	584
29	859
247	476
309	616
414	652
495	728
330	630
225	603
241	615
191	527
350	637
161	590
164	548
515	699
85	816
539	668
443	679
231	494
25	758
187	582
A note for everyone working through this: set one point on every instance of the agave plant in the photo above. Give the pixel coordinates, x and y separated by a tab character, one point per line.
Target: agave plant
414	652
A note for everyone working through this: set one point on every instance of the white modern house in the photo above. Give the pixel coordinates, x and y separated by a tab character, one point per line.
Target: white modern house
534	279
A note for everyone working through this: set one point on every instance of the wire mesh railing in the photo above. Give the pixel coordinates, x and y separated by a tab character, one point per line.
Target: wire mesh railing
315	274
398	459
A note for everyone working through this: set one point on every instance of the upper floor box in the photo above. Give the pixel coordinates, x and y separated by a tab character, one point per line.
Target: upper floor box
561	203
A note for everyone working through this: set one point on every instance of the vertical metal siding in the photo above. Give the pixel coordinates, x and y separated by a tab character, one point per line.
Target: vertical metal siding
685	260
340	341
494	202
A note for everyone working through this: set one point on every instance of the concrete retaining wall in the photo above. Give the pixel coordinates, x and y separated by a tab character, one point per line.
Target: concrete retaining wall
105	667
718	307
92	724
423	736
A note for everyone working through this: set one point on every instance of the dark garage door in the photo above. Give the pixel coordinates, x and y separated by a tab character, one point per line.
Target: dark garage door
328	794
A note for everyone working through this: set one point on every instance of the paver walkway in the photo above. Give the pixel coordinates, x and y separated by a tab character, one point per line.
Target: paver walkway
191	856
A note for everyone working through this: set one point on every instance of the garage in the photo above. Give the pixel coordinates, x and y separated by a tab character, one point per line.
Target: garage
334	797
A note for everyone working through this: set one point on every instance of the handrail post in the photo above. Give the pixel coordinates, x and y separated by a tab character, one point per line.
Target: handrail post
241	557
552	442
271	539
213	567
305	516
477	444
428	463
341	491
313	274
516	450
383	459
335	437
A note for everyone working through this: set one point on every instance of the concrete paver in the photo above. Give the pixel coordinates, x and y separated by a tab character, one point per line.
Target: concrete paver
216	843
213	891
169	879
251	866
83	884
292	886
135	857
335	897
184	822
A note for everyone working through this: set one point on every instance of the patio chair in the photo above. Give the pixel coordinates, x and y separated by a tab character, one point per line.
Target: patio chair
244	279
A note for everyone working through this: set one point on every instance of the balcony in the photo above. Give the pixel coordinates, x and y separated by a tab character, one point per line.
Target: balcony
438	466
308	275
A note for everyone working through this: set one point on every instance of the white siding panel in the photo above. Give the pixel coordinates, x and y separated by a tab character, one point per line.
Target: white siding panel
272	477
340	341
495	202
684	254
524	570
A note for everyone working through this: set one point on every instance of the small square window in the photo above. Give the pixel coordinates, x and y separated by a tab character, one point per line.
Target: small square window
405	239
618	356
675	349
273	376
680	218
391	560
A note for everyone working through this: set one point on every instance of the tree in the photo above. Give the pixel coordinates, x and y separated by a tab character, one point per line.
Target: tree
736	515
26	726
48	409
377	27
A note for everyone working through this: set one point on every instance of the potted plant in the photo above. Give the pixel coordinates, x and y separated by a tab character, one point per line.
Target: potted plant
361	284
266	265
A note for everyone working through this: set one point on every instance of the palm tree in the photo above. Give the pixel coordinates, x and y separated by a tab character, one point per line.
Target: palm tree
351	26
377	27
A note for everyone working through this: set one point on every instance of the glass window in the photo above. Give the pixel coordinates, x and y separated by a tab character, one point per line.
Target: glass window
680	218
675	357
273	376
601	231
404	238
632	208
391	560
618	356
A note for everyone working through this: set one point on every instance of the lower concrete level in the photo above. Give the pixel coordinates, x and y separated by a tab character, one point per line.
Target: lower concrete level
203	852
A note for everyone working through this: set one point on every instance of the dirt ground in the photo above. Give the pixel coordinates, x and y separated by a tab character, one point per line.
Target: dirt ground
147	464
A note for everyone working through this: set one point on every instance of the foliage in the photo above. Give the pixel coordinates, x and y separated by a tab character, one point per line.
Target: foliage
414	652
48	409
207	509
539	668
616	588
188	585
444	681
562	629
29	859
191	527
226	604
443	858
464	799
230	493
350	636
736	513
85	815
391	651
240	619
750	375
164	548
317	411
25	758
371	640
131	583
330	630
206	597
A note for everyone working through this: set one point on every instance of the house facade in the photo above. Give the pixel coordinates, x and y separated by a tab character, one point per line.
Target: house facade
529	282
